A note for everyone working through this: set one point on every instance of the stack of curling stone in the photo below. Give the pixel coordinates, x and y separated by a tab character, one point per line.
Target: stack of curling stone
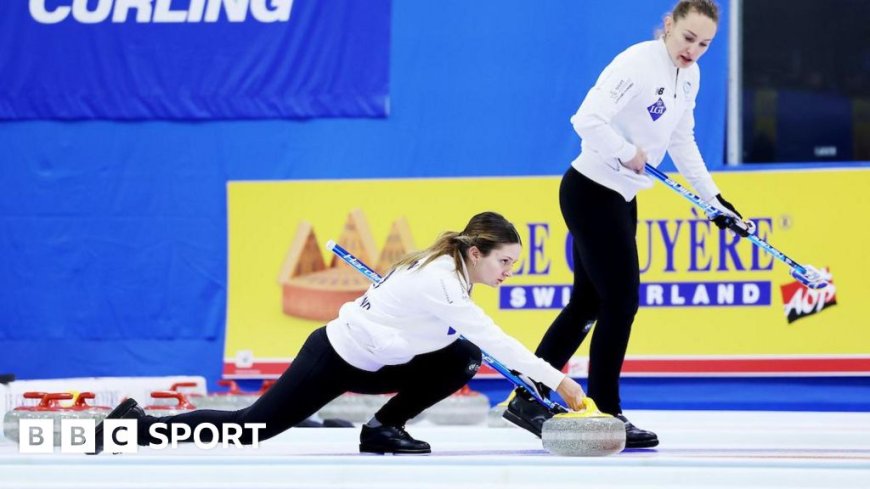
587	433
168	403
231	400
495	419
465	407
49	407
357	408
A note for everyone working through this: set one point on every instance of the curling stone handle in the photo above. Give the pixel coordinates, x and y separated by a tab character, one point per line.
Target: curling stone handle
178	396
231	385
51	400
589	404
82	399
177	385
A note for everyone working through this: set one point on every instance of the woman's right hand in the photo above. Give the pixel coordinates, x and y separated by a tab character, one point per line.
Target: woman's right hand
572	393
637	163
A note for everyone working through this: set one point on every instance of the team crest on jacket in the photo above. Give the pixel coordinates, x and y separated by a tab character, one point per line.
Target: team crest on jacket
657	109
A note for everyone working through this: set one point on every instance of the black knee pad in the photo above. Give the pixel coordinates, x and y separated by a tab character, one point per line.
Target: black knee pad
474	358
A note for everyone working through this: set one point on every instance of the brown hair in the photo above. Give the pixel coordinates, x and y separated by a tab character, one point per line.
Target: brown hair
707	8
487	231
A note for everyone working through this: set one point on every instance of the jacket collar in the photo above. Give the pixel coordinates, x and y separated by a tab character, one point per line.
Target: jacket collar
662	49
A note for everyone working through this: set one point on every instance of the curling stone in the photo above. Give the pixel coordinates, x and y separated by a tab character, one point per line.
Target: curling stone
464	407
495	419
353	407
168	403
49	407
587	433
81	409
25	411
357	408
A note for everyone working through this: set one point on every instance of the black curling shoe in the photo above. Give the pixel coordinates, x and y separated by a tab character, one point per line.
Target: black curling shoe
528	414
129	409
390	439
636	437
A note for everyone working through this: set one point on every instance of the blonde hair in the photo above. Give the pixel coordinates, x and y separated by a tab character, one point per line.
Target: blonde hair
487	231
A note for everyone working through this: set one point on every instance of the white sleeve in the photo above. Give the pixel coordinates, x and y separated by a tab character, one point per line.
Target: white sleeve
614	89
445	297
687	158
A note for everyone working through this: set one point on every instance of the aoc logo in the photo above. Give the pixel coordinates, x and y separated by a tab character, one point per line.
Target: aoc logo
158	11
800	302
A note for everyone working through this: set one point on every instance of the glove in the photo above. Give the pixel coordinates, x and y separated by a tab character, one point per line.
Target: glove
731	219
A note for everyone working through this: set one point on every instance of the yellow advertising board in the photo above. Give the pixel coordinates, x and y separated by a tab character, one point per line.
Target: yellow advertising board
711	303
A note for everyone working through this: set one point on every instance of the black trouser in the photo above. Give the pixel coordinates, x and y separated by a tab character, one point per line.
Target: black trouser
318	375
606	285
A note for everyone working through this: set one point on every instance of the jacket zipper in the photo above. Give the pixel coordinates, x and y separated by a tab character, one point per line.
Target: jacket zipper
675	83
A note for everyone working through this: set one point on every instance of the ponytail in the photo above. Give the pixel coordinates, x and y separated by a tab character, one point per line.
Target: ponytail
486	231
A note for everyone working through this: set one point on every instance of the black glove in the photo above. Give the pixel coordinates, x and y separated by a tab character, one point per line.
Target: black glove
726	221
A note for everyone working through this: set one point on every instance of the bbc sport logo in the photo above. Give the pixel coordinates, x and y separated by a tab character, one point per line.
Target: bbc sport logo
78	436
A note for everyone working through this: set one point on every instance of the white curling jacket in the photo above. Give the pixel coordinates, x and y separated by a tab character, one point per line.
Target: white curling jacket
411	312
641	99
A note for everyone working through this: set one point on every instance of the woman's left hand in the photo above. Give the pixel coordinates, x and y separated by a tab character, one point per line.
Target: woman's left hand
731	219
